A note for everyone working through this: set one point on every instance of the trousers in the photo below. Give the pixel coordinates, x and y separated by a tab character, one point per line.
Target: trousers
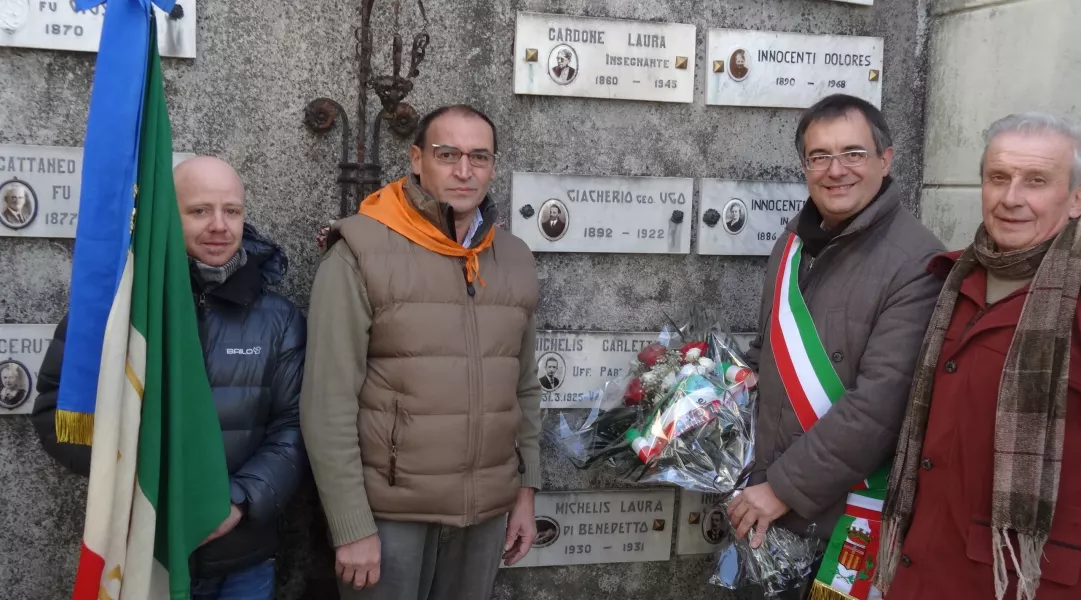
426	561
256	583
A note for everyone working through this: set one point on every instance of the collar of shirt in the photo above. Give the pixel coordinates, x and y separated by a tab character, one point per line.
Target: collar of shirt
473	227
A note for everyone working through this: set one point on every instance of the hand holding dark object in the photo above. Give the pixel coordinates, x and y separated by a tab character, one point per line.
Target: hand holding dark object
758	507
358	563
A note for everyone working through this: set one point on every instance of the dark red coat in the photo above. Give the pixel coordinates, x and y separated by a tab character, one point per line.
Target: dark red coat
947	553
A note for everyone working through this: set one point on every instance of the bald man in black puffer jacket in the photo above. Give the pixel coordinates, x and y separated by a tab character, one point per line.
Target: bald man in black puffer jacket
253	348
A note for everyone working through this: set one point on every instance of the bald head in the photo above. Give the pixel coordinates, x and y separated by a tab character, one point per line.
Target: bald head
210	196
206	172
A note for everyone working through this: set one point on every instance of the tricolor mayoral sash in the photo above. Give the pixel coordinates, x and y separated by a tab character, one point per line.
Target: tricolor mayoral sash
813	386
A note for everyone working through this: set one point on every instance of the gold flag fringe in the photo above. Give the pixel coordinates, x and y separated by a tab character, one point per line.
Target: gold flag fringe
74	427
821	591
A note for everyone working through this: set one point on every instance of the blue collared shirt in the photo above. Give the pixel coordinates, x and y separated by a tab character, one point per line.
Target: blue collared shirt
478	220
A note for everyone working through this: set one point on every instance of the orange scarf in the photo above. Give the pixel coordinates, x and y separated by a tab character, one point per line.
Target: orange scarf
390	207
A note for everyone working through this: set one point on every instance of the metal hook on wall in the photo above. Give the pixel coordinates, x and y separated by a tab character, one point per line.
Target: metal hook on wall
365	175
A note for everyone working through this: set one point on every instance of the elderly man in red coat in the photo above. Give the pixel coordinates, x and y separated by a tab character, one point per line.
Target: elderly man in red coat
984	498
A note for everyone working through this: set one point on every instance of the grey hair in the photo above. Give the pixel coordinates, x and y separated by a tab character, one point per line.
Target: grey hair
565	53
1037	122
12	368
12	187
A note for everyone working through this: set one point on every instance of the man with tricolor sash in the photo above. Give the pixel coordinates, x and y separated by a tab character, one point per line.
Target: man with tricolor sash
845	304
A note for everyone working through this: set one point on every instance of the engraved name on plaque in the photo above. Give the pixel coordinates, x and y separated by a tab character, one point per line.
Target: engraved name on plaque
56	25
566	55
580	213
571	365
39	190
790	70
745	217
701	525
22	348
618	526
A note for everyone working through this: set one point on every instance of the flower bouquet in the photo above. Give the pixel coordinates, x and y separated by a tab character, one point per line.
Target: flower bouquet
685	416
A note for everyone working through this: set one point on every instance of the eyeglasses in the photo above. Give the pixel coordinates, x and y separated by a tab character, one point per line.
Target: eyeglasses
821	162
481	159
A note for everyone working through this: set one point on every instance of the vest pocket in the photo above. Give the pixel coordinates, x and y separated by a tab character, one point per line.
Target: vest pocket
392	474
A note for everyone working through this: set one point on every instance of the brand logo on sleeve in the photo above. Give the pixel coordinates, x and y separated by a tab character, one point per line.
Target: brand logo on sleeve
247	351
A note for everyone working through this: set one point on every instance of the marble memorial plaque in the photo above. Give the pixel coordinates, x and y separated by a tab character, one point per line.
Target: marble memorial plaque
587	527
580	213
22	348
585	57
744	339
56	25
745	217
39	190
862	2
572	365
701	526
790	70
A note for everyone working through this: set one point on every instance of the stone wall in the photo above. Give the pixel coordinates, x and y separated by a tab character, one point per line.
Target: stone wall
243	98
988	59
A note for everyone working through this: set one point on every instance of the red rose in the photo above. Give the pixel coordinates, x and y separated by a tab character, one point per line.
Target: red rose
634	394
651	354
700	346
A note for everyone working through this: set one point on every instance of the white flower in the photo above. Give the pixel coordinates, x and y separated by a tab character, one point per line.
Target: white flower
669	382
687	371
707	364
649	378
693	354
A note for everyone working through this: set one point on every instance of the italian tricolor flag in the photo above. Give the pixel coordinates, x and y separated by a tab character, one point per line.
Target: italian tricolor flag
158	481
813	386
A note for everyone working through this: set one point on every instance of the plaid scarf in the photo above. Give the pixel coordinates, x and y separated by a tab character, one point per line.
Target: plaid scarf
1031	413
212	277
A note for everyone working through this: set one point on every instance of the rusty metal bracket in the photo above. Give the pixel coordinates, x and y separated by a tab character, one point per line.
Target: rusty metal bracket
365	174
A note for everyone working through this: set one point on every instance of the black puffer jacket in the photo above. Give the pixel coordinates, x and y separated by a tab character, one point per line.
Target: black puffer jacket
253	347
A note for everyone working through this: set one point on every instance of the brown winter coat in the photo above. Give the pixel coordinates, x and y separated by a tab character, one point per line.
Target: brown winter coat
419	394
871	297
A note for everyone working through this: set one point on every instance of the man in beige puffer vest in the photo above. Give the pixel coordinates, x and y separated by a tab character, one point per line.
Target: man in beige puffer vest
421	402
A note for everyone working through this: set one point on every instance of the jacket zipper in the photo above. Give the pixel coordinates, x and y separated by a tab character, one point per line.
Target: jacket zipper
806	288
393	476
473	429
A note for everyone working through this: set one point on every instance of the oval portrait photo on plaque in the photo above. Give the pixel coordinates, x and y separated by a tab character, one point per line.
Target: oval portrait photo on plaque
552	370
713	525
547	532
18	204
738	65
14	384
563	64
734	217
553	219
